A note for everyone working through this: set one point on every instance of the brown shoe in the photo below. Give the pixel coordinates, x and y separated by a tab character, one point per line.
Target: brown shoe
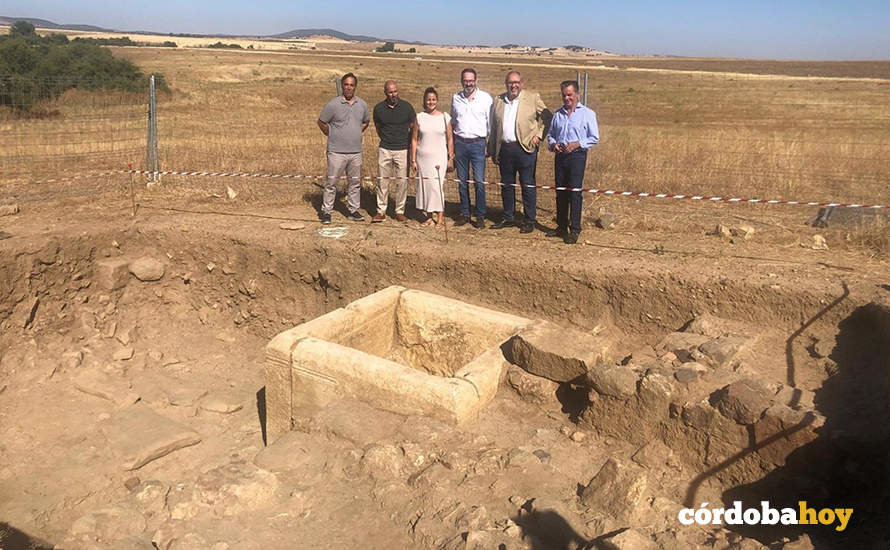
378	217
401	218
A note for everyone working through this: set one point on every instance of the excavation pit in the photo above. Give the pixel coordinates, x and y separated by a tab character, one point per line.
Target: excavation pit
400	350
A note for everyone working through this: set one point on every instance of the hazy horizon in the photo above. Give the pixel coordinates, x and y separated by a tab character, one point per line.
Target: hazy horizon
794	30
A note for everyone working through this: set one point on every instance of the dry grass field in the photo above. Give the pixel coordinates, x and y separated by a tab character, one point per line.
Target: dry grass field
805	131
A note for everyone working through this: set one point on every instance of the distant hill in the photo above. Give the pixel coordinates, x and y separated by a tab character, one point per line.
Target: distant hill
296	33
44	24
304	33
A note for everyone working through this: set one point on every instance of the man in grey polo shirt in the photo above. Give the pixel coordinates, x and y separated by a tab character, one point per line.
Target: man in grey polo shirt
343	120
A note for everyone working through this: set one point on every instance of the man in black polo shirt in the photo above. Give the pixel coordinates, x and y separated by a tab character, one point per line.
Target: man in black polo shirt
393	119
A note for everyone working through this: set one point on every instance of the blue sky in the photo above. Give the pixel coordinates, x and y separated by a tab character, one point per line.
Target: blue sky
792	29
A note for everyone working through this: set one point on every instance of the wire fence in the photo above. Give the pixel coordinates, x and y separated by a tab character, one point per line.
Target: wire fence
692	134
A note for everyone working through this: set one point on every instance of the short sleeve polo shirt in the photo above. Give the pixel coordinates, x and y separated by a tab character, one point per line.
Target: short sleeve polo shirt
345	122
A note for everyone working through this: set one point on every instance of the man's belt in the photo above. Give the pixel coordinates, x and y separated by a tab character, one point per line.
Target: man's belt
468	140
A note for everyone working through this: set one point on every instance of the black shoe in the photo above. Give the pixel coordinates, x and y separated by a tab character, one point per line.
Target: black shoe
479	224
325	219
503	224
527	228
558	232
355	217
461	220
570	238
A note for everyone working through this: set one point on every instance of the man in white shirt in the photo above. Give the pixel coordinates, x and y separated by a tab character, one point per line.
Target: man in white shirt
470	112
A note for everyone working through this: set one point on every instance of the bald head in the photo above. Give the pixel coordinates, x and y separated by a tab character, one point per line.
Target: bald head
391	89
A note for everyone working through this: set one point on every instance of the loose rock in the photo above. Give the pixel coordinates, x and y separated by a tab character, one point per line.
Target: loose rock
619	381
9	209
123	354
531	388
629	540
557	353
607	221
618	490
743	231
682	344
722	231
147	269
111	273
723	349
742	401
219	405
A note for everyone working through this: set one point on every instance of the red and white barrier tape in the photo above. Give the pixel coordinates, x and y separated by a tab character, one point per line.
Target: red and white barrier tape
641	194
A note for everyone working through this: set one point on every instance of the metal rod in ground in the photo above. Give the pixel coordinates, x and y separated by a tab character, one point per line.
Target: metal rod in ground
442	190
586	79
132	188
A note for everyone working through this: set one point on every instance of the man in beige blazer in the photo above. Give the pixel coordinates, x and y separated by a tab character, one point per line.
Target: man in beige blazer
519	121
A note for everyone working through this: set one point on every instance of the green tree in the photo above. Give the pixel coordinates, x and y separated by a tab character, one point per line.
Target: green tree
22	28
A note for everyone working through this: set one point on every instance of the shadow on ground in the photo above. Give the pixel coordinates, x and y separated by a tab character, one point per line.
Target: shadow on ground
847	465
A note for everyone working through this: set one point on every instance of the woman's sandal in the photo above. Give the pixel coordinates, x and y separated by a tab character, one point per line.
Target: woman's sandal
427	223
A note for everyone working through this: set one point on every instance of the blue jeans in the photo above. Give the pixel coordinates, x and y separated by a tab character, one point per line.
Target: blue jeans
569	168
512	159
468	154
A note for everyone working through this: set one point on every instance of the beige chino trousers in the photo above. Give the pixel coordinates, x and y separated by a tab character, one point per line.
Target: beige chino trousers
392	167
351	163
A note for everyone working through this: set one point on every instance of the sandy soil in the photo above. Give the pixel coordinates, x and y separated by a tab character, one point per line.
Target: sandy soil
190	346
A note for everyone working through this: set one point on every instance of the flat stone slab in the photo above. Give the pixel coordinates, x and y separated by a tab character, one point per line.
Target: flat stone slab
220	405
185	397
139	435
99	384
557	353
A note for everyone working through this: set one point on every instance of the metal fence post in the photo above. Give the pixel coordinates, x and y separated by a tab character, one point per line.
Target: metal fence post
586	78
339	90
151	151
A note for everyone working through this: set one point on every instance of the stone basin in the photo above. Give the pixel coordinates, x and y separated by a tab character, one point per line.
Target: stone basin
404	351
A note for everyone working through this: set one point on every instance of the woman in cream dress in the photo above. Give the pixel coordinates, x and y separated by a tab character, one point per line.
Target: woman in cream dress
432	148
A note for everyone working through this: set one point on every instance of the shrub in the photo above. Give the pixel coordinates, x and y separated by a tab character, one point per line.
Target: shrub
222	46
34	68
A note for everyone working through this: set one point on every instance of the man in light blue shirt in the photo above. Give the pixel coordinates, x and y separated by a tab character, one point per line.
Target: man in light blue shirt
573	131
